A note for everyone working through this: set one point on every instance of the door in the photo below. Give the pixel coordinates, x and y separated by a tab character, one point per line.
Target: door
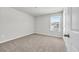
71	29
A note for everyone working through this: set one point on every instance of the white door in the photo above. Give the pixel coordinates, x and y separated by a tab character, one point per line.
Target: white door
71	29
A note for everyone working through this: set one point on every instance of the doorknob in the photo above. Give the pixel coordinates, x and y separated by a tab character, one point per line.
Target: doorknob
67	35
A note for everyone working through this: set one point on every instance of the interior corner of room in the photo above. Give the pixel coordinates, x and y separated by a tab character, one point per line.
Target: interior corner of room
16	23
38	23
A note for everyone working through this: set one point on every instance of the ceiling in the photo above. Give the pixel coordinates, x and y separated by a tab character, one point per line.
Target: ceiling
37	11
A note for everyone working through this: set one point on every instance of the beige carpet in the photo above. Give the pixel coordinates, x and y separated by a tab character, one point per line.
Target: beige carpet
34	43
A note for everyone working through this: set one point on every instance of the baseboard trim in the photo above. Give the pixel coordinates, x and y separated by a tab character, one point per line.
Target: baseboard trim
15	38
28	35
48	35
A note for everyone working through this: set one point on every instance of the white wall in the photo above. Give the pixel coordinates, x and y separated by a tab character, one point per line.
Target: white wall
43	24
14	24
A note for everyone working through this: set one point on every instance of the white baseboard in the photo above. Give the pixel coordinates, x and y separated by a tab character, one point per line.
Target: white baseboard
23	36
49	35
14	38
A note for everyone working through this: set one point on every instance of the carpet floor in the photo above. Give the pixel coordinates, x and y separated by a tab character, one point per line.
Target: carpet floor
34	43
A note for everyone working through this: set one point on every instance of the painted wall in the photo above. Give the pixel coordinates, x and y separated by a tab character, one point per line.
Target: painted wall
43	25
14	24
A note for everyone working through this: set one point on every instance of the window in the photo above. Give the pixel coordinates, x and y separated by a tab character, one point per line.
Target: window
55	23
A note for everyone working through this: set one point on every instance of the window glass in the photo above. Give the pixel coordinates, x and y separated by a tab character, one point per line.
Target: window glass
55	23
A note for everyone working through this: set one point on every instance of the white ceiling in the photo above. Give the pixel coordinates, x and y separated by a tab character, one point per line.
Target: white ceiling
36	11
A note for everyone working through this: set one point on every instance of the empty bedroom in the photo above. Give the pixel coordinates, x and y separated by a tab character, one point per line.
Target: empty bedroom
31	29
